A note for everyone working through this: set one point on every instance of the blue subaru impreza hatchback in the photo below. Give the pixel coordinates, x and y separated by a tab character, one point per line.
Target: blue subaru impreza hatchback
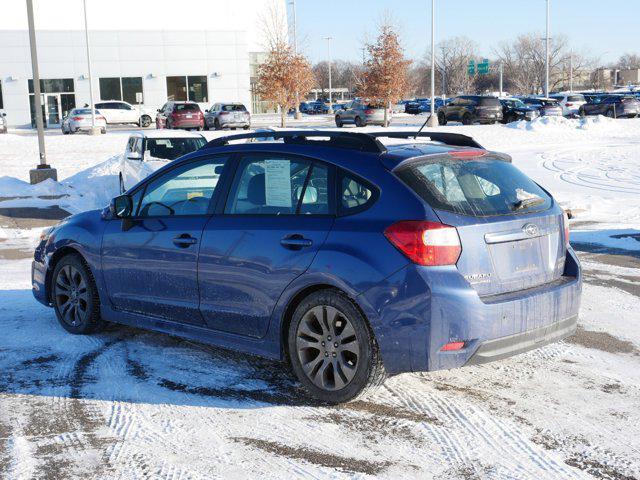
350	258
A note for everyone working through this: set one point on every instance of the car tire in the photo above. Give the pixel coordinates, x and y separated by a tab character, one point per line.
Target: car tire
246	127
466	119
442	118
611	113
103	131
145	121
359	122
75	296
216	124
339	123
335	357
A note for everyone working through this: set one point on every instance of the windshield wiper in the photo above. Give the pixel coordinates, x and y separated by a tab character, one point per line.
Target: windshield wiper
527	202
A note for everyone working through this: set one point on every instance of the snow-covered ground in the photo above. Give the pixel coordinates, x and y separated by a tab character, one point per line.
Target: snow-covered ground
131	404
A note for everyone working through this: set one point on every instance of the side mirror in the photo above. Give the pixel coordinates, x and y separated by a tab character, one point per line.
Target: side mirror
134	156
121	206
206	111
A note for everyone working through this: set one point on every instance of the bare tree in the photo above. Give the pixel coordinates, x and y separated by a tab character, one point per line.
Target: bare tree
524	62
385	73
344	74
285	76
628	61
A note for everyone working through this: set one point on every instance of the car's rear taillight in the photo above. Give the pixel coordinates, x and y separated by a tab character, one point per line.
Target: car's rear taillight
368	111
569	104
425	243
77	119
224	113
565	222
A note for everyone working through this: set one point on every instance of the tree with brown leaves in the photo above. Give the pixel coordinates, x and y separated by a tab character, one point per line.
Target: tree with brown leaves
283	78
385	77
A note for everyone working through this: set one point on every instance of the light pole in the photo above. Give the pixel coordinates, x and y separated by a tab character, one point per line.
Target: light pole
328	39
501	79
433	121
297	114
93	130
42	171
546	74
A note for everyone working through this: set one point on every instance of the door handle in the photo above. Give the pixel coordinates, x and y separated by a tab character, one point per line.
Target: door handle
184	240
295	242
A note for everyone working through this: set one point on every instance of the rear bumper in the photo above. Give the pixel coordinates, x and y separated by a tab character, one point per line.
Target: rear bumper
421	309
188	123
503	347
234	123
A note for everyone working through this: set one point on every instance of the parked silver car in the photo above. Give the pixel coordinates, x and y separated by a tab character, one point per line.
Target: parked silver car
227	115
361	113
79	119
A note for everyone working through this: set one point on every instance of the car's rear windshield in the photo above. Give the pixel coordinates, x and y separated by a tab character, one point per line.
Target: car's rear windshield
575	98
187	107
172	148
488	102
479	187
233	108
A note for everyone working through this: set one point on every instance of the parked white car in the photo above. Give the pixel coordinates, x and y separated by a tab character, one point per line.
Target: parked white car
117	112
146	152
570	103
79	119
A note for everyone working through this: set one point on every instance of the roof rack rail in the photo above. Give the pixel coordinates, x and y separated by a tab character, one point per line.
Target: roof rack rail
453	139
348	140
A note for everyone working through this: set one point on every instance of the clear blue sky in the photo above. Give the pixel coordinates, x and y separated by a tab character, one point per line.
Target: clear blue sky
594	27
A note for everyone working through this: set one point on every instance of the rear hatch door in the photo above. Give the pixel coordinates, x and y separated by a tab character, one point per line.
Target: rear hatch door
510	230
489	107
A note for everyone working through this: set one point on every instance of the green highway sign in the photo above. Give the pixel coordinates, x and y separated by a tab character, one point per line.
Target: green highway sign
483	67
471	68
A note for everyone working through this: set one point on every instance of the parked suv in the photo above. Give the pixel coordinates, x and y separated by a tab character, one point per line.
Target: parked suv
117	112
180	115
613	106
3	122
148	151
349	259
361	113
470	109
570	103
548	107
227	115
514	109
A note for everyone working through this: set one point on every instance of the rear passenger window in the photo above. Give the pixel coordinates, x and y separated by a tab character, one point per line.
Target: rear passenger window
274	185
354	195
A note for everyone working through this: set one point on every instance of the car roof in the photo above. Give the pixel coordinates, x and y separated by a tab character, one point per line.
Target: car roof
163	133
348	150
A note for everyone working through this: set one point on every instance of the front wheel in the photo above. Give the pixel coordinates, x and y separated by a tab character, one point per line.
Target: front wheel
332	350
75	296
466	119
339	123
145	121
442	118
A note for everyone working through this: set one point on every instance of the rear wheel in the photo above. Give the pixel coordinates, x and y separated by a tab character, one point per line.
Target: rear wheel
145	121
75	296
359	122
442	118
339	123
466	119
216	124
332	350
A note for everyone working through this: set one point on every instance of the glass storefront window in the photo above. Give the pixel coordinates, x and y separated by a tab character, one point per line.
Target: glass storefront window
110	89
130	87
197	88
54	85
176	89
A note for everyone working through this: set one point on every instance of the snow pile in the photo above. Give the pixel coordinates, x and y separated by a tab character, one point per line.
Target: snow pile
542	124
88	189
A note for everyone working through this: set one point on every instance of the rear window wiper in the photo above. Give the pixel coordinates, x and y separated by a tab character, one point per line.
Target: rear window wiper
526	203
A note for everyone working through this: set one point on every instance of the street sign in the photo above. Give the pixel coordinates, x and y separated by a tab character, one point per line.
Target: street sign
471	68
138	97
483	67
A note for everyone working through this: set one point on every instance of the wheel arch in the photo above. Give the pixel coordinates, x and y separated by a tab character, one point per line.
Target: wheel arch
58	255
299	296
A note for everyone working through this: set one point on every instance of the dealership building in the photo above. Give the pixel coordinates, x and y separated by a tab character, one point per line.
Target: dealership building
144	52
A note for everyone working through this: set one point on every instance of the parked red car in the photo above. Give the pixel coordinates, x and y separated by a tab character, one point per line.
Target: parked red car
185	115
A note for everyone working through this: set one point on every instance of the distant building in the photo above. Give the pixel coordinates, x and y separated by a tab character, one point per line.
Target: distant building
142	51
629	77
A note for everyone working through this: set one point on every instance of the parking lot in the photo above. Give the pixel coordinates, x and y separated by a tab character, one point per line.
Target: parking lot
129	403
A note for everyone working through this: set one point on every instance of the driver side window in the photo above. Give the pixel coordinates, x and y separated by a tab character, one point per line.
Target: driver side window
185	190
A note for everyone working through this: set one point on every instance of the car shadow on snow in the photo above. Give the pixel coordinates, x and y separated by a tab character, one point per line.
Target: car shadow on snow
38	357
607	241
